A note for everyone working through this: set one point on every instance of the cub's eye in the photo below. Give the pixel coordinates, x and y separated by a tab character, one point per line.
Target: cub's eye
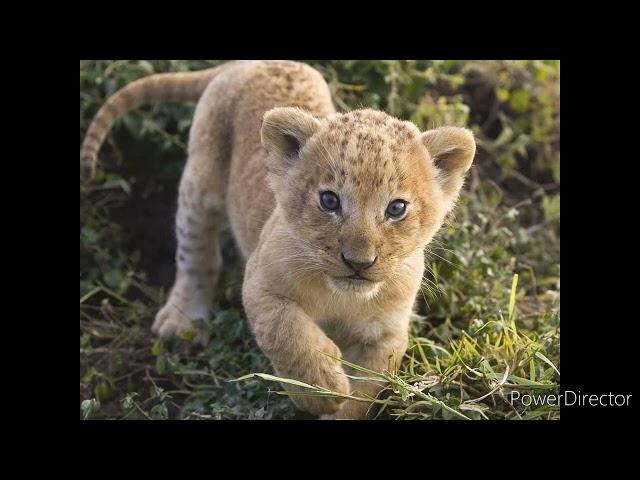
397	208
329	201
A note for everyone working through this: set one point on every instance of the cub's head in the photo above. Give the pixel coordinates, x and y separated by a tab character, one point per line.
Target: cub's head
362	192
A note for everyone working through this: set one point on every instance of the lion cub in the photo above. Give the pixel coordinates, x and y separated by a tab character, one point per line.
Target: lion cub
331	210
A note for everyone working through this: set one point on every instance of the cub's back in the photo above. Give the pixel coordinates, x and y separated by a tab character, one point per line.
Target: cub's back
236	102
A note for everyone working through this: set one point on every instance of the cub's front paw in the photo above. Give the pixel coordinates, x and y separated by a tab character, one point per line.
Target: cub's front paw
352	410
327	373
318	405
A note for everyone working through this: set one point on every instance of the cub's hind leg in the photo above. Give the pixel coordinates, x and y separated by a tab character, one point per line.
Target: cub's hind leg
198	256
200	213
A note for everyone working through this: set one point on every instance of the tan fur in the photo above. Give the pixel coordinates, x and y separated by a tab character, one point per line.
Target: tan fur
265	142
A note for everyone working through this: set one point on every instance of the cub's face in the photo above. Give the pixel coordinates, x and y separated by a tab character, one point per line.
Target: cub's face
362	192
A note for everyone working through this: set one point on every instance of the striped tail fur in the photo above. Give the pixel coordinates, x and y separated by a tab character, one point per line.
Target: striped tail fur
171	87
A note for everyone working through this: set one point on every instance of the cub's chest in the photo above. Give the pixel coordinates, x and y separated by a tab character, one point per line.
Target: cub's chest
353	320
353	329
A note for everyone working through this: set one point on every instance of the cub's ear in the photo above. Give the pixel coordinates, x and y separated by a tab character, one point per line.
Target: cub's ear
284	132
452	150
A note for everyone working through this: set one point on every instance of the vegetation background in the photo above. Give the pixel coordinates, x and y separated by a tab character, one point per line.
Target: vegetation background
487	322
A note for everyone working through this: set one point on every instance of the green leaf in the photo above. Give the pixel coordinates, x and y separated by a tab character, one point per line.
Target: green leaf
127	402
273	378
547	361
551	207
156	348
503	94
532	367
512	299
159	412
146	66
161	364
187	335
102	391
85	340
89	406
519	100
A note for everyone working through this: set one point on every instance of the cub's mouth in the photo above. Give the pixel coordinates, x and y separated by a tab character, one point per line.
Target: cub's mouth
354	283
358	277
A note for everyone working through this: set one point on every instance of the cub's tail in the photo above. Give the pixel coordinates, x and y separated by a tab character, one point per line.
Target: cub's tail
172	87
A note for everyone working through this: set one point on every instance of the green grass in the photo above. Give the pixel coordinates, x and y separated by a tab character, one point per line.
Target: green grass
477	334
468	380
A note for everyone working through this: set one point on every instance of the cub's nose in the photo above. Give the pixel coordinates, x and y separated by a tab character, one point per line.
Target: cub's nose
357	265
